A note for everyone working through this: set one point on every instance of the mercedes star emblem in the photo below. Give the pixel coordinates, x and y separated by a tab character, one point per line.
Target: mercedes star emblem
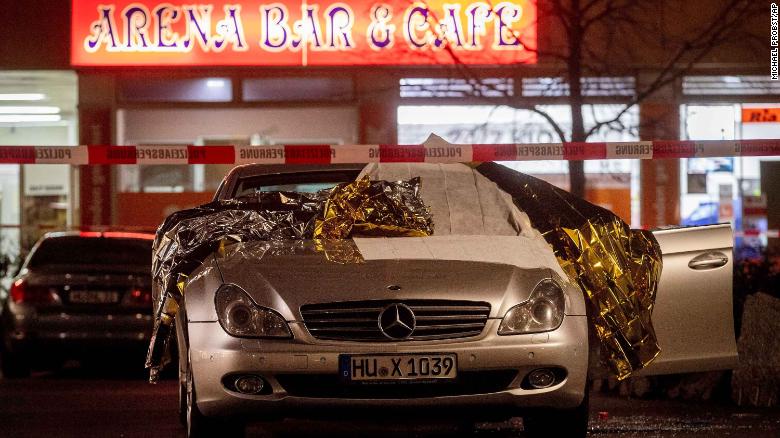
397	321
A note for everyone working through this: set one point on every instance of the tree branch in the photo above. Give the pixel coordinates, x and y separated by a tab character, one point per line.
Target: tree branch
553	124
717	32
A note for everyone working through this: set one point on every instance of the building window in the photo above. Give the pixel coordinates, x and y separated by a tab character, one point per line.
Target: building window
311	89
591	87
729	85
36	108
722	189
454	88
614	184
176	90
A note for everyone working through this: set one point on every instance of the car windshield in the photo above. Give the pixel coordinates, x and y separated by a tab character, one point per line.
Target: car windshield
303	188
72	250
306	182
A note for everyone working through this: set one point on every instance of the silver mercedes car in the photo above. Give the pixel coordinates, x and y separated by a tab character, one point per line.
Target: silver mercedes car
478	318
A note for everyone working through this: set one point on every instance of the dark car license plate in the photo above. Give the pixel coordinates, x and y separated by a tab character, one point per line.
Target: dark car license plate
93	297
367	367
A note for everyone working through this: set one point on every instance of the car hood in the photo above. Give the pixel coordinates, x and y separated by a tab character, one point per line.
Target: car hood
500	270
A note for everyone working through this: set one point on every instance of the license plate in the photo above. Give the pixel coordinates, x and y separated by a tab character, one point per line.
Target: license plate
367	367
93	297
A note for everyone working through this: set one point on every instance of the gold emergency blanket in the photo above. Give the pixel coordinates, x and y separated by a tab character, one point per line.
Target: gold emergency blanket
617	268
378	208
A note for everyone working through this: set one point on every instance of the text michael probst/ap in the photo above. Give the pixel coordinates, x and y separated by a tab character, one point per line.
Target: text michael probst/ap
773	40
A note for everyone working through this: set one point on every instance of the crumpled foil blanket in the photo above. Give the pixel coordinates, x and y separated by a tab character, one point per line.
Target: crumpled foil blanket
375	208
617	268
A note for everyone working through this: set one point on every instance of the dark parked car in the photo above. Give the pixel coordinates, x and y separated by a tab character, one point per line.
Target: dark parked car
77	293
705	214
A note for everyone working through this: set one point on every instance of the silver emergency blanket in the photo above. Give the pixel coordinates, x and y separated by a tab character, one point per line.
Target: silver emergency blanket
188	236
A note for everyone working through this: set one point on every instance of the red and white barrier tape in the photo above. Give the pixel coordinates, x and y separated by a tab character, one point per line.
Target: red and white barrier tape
772	234
327	154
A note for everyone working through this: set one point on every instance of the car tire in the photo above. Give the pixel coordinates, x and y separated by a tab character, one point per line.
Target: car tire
558	422
182	404
14	365
198	425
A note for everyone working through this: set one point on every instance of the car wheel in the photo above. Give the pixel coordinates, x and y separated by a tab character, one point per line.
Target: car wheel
14	365
558	422
182	404
199	425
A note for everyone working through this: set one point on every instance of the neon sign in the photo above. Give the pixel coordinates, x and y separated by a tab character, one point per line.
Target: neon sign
300	33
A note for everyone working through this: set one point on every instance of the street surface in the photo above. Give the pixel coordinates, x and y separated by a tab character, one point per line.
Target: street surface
97	401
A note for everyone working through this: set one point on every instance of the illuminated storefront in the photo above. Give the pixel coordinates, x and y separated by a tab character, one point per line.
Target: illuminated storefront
611	183
729	189
36	107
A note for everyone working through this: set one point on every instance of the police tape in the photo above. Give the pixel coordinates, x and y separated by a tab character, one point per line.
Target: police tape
331	154
771	234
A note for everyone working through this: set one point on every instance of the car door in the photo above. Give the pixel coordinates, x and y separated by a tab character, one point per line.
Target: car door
693	313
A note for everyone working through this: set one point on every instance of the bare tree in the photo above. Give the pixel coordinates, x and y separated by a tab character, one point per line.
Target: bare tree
602	38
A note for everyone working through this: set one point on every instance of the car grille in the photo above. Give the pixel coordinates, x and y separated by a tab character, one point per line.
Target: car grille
331	386
358	320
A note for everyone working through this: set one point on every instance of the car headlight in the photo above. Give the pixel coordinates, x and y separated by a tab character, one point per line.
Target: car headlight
241	317
542	312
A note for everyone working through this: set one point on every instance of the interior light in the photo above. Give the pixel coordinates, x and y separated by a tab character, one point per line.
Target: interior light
22	96
215	83
117	235
128	235
22	118
29	110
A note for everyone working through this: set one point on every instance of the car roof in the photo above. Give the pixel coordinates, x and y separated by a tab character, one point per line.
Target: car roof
249	170
252	170
104	234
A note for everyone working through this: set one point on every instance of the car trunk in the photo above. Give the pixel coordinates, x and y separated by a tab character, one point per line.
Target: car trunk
93	288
